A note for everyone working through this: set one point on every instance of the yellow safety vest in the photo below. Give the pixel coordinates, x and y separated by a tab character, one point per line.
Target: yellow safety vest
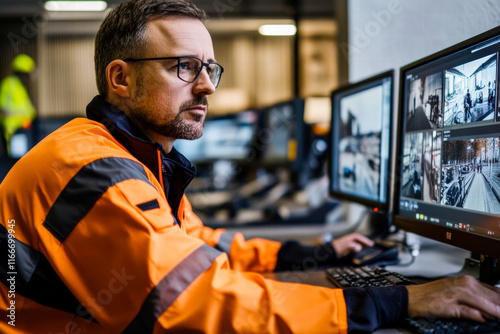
17	111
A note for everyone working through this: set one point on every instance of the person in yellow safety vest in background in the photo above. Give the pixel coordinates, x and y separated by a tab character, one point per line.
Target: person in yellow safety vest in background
16	110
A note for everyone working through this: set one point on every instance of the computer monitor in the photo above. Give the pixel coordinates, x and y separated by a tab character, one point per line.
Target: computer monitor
448	173
227	137
360	146
280	139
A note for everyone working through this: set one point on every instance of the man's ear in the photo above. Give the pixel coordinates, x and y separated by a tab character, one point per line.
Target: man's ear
118	77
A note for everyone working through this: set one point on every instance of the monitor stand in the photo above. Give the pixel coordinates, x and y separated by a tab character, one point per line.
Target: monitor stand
379	224
482	267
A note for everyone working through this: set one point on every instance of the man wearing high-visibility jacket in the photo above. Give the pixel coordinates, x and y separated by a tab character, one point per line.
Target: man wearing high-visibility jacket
97	235
16	110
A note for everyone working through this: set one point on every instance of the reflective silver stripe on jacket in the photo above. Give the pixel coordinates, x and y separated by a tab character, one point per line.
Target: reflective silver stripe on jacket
170	287
225	241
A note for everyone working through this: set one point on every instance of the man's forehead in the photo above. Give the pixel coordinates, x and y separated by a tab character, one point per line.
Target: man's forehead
180	35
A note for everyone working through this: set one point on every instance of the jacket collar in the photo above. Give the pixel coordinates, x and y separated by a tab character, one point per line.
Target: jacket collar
129	135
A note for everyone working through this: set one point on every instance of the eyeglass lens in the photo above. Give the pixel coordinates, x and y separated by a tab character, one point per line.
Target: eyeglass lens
189	69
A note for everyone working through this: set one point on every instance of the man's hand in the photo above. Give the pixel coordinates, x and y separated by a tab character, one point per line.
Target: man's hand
349	243
456	297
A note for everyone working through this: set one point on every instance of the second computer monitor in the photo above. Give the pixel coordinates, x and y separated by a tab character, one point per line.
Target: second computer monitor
360	143
448	171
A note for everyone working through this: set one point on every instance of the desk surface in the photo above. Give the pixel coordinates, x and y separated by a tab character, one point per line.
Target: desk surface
435	260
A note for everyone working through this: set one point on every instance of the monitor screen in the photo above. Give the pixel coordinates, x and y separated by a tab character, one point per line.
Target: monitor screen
448	171
224	138
360	144
281	134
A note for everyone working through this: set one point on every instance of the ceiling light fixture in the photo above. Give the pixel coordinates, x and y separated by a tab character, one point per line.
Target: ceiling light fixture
76	6
278	30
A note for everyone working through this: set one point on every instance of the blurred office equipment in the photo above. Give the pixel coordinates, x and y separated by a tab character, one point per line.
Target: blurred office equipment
280	143
291	151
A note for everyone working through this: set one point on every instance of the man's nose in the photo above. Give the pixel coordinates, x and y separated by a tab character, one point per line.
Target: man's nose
203	84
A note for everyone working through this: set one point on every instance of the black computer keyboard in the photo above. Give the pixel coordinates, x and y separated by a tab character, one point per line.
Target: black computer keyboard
434	326
344	277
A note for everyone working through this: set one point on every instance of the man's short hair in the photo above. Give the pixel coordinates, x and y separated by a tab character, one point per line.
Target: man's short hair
122	33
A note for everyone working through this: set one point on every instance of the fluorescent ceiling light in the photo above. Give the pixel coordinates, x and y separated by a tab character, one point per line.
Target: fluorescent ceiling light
277	30
76	6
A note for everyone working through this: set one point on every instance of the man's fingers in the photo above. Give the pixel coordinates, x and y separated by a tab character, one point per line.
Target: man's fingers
466	312
356	247
363	240
458	297
483	305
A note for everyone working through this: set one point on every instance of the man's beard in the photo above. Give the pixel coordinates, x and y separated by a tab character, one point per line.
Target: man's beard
178	128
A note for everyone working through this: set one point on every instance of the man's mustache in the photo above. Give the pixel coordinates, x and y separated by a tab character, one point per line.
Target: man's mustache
201	100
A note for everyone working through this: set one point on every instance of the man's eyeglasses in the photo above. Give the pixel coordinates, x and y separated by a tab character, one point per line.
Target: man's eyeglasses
188	68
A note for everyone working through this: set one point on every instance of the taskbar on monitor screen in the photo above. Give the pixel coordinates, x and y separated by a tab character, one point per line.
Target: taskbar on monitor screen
465	220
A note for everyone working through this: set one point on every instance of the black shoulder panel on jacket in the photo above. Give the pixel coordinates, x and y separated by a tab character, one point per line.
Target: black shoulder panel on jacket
85	189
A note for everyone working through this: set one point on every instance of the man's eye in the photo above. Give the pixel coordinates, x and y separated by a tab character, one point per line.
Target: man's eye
188	65
184	66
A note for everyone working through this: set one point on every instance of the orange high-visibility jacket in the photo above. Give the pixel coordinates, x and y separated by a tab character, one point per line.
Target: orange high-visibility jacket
96	237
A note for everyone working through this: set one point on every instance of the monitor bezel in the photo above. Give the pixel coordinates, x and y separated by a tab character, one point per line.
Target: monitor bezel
454	237
379	205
